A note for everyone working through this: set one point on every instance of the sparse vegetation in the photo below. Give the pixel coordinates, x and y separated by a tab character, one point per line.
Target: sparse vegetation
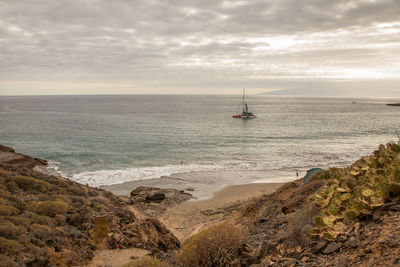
147	261
217	245
49	221
29	183
48	208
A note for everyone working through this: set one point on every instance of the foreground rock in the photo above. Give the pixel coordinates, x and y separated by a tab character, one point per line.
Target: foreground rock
169	197
50	221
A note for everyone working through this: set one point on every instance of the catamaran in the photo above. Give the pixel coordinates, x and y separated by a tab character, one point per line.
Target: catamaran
246	114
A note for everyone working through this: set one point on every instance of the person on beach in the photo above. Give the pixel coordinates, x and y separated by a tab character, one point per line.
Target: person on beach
297	174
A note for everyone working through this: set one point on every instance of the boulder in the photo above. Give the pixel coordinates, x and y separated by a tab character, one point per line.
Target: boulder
332	247
157	197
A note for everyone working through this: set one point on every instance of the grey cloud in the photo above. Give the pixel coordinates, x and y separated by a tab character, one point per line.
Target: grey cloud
194	43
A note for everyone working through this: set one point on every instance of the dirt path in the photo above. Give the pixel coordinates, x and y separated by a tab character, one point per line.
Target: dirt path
117	257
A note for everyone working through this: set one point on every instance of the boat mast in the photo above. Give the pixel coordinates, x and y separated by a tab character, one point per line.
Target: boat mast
243	104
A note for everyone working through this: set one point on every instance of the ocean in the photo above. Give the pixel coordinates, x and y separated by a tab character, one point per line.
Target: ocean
103	140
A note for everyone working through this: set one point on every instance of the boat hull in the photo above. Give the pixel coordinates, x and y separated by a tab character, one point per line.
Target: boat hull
244	117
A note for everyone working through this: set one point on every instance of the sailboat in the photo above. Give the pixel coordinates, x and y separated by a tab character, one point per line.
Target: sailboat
246	114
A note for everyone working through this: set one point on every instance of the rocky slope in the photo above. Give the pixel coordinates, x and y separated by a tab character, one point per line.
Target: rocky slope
47	220
343	217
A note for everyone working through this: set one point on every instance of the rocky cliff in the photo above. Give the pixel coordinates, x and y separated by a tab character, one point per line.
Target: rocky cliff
47	220
343	217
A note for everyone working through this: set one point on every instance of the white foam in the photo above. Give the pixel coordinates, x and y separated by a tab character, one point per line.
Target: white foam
52	168
108	177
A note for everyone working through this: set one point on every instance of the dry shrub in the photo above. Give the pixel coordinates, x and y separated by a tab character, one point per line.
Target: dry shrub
29	183
78	190
10	247
6	210
39	219
40	231
7	262
9	230
299	226
19	220
48	208
4	173
217	245
147	261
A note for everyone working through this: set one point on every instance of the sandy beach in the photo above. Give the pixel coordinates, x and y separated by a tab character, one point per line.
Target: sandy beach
205	184
216	196
192	216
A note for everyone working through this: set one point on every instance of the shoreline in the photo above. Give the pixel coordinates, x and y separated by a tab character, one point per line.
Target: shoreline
204	185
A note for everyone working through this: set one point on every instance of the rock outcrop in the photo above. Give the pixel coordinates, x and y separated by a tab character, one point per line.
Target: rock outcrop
344	217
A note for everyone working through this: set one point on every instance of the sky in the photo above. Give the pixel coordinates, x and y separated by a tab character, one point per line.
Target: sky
289	47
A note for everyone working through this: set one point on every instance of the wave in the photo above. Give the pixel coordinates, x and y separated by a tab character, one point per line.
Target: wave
108	177
301	162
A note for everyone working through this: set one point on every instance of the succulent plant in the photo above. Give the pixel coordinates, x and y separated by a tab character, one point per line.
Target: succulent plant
356	191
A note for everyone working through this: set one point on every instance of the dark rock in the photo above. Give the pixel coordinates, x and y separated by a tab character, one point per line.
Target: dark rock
332	247
6	149
158	197
143	189
317	247
351	243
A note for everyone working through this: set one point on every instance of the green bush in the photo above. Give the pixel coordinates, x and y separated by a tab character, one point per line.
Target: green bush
217	245
29	183
48	208
147	261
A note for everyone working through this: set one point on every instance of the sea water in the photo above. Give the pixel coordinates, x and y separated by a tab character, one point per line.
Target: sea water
102	140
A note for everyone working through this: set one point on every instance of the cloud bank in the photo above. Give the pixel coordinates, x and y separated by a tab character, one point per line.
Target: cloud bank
159	46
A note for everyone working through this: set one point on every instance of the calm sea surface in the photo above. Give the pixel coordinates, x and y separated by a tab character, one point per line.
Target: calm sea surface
111	139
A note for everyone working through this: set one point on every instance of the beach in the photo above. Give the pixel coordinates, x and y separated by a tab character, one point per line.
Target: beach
204	184
215	196
193	216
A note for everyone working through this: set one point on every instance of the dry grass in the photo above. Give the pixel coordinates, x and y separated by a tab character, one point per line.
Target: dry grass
48	208
8	210
10	247
147	261
29	183
218	245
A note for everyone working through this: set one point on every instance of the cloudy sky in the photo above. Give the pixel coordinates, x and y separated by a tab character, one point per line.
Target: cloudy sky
303	47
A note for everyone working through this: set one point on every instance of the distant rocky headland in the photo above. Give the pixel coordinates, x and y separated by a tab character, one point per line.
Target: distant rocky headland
338	217
394	104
